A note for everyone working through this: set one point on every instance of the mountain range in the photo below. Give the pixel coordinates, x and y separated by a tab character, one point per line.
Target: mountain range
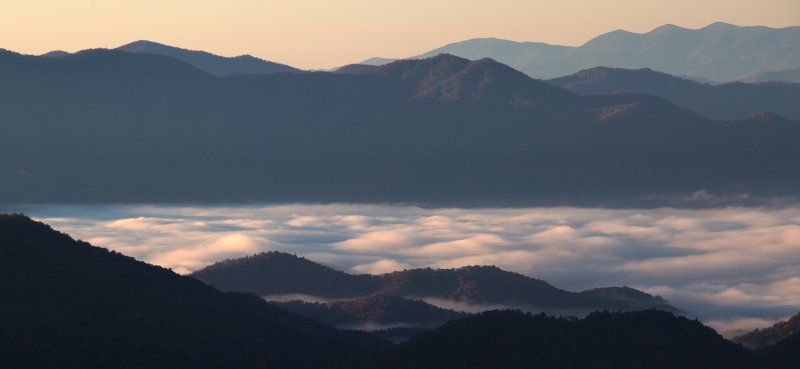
482	287
719	52
205	61
725	101
113	126
67	303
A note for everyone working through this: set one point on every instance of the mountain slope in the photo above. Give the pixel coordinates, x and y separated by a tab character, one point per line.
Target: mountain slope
111	126
280	274
69	304
646	339
725	101
210	63
719	52
769	336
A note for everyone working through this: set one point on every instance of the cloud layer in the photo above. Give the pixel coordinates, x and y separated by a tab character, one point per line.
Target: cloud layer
726	266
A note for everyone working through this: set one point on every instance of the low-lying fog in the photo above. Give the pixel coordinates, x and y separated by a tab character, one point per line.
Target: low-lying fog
734	268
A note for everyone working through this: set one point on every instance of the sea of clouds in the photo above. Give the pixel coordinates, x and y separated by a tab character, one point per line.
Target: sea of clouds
734	268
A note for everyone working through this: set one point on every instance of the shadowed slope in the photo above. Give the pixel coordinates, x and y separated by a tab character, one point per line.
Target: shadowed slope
69	304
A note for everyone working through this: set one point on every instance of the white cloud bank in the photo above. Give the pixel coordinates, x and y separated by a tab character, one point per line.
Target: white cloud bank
724	265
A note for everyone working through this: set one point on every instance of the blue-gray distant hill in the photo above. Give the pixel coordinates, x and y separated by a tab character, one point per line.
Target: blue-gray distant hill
112	126
719	52
214	64
792	75
733	100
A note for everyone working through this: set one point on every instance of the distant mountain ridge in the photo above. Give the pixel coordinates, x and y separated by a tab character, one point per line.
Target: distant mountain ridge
720	52
792	76
210	63
111	126
276	273
725	101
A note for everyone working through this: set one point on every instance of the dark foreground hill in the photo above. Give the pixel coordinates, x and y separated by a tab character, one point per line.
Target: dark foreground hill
276	273
726	101
112	126
769	336
510	340
67	304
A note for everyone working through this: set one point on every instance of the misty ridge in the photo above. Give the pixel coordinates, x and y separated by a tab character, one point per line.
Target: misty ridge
439	132
422	297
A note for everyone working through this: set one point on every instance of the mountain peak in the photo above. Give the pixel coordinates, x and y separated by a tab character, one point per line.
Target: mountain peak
720	26
210	63
452	78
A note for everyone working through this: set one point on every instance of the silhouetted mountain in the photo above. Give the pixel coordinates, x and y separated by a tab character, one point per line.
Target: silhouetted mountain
726	101
792	76
274	273
769	336
646	339
373	312
111	126
278	273
68	304
719	51
214	64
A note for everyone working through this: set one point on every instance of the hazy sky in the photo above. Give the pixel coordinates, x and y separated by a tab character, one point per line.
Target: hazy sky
327	33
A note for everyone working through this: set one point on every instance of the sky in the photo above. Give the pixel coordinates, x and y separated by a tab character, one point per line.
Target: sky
320	34
734	268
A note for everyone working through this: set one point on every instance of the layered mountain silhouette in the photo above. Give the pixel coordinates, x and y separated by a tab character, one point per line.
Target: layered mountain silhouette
113	126
69	304
726	101
276	273
214	64
720	52
769	336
